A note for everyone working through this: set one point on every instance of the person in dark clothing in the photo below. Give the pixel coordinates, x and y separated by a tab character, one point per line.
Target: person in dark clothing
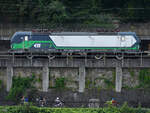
58	102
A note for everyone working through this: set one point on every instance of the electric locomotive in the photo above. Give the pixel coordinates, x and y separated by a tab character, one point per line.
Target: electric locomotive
74	41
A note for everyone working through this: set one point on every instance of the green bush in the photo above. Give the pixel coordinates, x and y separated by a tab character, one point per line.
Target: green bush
33	109
109	84
60	82
144	78
19	87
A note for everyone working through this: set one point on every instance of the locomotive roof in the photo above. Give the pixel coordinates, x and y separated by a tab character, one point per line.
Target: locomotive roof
73	33
23	33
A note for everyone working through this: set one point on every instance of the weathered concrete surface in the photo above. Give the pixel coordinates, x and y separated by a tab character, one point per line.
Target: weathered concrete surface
71	76
9	77
126	63
98	72
29	71
77	99
130	77
3	77
93	103
118	81
95	77
81	78
45	79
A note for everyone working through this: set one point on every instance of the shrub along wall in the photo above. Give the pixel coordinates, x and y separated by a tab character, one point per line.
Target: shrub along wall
110	109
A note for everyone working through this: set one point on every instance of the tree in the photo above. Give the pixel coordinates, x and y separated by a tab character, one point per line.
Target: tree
54	12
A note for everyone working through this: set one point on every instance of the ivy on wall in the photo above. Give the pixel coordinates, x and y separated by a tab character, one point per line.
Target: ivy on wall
60	82
144	78
88	83
39	77
131	71
110	84
20	86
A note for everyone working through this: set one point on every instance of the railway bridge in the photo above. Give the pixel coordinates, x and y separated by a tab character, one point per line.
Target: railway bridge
48	60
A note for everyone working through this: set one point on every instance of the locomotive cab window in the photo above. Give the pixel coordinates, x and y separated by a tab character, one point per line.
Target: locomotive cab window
17	39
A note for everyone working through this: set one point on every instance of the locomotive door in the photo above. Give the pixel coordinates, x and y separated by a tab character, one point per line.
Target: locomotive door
25	42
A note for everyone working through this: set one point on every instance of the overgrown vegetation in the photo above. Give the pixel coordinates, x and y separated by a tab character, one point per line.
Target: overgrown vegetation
20	86
60	83
144	78
110	109
39	77
88	83
71	83
109	83
131	71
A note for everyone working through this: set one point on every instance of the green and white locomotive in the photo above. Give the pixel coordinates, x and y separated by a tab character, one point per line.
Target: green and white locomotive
74	41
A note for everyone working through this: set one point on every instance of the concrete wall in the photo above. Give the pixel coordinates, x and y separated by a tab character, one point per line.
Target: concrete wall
75	63
96	77
3	77
29	71
130	77
99	78
71	75
78	74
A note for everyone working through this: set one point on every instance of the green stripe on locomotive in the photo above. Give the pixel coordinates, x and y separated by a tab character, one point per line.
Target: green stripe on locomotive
29	44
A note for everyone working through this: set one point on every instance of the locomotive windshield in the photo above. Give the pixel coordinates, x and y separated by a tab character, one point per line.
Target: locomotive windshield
17	39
